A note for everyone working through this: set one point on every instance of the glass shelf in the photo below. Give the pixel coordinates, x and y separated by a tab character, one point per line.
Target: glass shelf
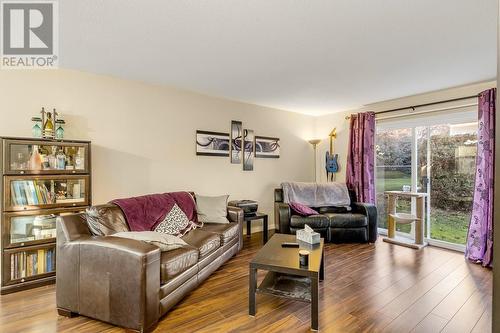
42	157
45	192
29	263
32	227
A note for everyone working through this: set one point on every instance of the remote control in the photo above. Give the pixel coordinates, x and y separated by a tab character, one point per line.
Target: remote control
288	244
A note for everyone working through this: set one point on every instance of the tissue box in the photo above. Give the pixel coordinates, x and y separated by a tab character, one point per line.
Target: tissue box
310	237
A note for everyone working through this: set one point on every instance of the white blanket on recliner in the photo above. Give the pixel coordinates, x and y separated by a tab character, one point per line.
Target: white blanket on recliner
316	195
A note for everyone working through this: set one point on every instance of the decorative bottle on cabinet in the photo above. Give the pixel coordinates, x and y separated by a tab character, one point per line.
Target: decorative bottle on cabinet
36	159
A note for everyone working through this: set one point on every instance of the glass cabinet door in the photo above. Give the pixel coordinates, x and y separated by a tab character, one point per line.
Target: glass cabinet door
34	227
40	157
45	192
29	263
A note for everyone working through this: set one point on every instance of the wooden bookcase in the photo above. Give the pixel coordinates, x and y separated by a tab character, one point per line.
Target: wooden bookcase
35	189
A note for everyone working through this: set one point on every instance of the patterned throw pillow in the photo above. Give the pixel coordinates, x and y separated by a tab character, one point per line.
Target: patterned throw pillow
175	223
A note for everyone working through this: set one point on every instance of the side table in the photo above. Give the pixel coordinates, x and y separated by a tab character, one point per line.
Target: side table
257	216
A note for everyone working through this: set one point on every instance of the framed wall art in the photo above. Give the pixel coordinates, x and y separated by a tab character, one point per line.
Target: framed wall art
248	149
212	143
267	147
236	141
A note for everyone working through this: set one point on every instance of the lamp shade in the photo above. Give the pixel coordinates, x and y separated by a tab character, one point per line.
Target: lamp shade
314	142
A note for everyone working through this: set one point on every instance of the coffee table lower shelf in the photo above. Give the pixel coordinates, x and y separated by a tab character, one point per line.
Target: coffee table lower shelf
286	286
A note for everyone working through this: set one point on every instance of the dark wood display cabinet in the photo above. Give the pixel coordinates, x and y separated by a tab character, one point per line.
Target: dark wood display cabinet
41	179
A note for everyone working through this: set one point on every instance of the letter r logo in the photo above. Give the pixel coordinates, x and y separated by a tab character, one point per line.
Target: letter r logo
28	28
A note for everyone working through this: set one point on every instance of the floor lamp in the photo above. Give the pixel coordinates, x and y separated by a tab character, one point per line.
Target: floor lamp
314	143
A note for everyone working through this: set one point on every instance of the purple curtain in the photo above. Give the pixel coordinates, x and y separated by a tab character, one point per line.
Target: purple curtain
480	235
360	171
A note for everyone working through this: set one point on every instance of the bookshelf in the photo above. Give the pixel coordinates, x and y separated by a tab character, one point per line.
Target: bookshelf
41	179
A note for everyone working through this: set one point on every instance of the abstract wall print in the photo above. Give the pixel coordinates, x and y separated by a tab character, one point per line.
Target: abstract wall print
236	141
266	147
248	150
212	143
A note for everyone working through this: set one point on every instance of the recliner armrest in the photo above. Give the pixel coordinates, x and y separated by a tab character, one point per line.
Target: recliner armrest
235	214
282	217
113	279
370	211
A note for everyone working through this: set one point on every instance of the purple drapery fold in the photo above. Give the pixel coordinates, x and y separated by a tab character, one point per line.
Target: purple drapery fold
360	172
480	236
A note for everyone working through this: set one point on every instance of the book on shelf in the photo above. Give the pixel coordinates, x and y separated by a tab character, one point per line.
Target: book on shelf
48	264
37	192
48	233
70	200
14	196
28	265
18	197
27	192
41	261
21	196
23	264
30	192
22	239
34	197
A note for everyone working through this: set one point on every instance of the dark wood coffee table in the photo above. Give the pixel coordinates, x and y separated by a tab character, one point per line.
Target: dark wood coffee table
285	277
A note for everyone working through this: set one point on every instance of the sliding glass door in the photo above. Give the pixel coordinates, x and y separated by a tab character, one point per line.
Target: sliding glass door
435	154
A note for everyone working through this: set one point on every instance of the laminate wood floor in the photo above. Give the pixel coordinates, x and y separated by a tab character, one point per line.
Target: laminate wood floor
367	288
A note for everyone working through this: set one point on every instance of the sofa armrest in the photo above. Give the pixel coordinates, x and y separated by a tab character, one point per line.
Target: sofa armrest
236	215
370	211
282	217
112	279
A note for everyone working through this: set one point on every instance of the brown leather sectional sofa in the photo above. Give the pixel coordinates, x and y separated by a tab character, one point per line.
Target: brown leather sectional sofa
130	283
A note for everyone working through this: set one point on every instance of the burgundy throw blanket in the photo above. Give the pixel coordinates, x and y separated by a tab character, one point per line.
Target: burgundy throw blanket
144	213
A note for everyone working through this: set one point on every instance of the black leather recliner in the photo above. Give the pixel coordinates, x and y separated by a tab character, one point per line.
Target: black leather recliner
335	224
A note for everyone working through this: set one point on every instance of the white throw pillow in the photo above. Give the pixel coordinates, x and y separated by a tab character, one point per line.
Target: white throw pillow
212	209
165	242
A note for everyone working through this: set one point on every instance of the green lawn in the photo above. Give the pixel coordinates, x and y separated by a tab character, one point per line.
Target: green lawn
449	226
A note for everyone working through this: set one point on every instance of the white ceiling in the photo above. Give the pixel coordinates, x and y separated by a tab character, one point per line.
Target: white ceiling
309	56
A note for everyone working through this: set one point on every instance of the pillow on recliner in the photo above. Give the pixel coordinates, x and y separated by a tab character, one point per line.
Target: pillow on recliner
301	209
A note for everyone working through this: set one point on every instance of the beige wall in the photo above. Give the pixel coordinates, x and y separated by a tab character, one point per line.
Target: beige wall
325	124
143	135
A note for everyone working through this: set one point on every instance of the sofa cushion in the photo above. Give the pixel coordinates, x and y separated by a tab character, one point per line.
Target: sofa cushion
104	220
348	235
334	209
314	221
177	261
347	220
226	231
206	242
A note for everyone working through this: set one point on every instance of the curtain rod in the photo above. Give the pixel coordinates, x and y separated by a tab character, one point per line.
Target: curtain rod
425	104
